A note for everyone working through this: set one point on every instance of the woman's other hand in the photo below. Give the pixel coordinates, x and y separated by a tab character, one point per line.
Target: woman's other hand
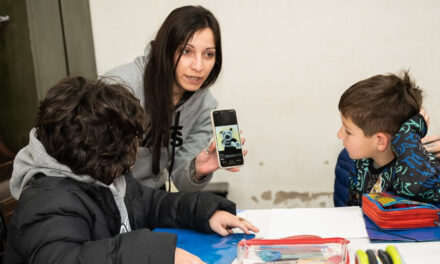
425	116
432	144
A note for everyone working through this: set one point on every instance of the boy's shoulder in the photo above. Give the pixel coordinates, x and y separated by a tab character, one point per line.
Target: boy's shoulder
46	195
43	184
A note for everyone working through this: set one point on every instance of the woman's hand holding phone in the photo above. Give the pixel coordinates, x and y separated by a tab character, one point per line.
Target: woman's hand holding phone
206	161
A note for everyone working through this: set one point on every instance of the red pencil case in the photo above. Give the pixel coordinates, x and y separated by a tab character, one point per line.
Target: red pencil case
389	211
298	249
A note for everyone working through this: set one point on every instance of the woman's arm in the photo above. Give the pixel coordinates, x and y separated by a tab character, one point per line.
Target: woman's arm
185	164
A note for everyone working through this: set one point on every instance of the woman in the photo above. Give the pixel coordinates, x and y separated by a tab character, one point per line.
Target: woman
171	81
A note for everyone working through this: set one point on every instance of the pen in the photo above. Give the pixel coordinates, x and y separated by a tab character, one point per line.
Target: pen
298	261
275	255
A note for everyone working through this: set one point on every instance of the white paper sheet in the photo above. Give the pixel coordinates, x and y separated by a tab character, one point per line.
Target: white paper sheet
346	222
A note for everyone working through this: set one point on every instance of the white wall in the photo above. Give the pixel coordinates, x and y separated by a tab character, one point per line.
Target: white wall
286	63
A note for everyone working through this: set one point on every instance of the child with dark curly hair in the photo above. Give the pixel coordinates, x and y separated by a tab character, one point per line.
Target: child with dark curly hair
77	201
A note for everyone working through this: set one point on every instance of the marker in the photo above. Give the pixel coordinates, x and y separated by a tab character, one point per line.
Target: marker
384	257
394	254
372	258
361	257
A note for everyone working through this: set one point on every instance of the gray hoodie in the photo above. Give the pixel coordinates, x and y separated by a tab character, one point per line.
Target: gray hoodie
34	159
194	132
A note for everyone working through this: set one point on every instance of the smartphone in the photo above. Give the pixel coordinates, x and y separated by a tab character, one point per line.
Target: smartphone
227	137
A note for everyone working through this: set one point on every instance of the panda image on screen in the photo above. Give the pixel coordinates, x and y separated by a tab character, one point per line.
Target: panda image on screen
229	146
228	140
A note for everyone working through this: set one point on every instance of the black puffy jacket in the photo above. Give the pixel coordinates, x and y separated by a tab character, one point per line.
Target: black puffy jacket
60	220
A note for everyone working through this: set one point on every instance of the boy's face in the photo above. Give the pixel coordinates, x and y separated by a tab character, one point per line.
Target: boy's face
357	144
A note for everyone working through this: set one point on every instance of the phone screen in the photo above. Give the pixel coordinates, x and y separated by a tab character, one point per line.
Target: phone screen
227	136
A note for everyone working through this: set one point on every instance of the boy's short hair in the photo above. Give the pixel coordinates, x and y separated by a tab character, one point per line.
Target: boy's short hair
93	127
381	103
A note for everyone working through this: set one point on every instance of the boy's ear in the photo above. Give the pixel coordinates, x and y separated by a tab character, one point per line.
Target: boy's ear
383	140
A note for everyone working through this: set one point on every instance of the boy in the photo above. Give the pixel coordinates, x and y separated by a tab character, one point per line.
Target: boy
78	203
382	124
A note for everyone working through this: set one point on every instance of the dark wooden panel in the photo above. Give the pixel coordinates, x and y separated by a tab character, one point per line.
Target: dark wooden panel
7	203
78	38
43	42
18	92
47	43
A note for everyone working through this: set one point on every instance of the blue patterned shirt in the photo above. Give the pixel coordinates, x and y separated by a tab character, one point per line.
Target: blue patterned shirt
414	173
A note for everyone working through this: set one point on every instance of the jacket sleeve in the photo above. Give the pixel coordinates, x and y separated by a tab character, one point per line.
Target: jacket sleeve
157	208
417	172
197	139
66	234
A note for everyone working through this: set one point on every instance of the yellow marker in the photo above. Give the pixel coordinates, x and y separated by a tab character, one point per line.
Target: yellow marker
361	257
394	253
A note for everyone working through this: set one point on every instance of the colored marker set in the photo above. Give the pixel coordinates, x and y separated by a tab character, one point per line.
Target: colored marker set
388	256
293	250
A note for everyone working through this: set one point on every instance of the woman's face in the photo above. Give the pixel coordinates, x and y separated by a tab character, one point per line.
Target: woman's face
196	62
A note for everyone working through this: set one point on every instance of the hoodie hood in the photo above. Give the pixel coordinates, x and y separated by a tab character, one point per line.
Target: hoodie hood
34	159
141	61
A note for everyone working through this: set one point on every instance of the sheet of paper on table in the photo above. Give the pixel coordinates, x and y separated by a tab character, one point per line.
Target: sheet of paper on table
346	222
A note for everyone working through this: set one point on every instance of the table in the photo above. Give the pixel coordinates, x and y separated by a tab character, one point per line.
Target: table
346	222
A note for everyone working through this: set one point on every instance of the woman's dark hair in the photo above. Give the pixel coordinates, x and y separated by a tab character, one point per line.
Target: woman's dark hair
92	127
159	77
381	103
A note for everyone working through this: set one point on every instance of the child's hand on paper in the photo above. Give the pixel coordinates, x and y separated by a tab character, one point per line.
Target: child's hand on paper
222	223
182	256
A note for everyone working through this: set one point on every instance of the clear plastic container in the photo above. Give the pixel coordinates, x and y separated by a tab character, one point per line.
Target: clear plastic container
293	250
